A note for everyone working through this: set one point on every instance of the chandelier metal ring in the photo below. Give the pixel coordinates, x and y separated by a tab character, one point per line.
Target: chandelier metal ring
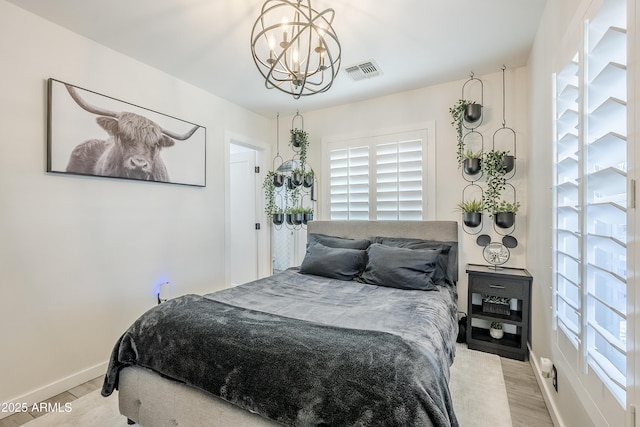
295	48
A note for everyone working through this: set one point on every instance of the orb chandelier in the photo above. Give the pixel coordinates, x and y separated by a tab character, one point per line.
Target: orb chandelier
295	48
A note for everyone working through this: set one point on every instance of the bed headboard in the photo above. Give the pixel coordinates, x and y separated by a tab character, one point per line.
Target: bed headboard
444	231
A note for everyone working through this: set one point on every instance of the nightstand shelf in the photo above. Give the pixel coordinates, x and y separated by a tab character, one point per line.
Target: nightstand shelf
513	284
515	318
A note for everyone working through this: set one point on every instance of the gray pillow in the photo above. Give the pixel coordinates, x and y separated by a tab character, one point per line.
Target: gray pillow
447	262
335	263
401	268
338	242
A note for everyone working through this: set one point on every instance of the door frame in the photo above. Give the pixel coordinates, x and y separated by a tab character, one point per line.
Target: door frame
263	151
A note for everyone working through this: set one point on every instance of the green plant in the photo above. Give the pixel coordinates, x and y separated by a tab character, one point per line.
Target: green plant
307	210
505	206
269	194
457	116
495	175
496	325
295	210
299	139
468	155
470	206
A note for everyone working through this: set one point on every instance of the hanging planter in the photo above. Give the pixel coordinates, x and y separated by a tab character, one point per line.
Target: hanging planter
505	214
278	179
297	177
298	137
471	212
278	218
308	179
472	219
472	163
508	163
505	219
472	112
307	215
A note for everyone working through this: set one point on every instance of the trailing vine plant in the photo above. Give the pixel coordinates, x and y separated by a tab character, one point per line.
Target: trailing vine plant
457	116
496	182
269	194
299	139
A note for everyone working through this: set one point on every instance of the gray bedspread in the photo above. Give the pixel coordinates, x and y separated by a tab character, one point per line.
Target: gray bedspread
305	350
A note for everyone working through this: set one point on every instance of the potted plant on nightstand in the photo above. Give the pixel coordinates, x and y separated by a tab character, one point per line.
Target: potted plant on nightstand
471	212
496	330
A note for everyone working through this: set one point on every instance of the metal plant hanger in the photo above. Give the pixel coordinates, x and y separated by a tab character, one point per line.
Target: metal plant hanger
472	170
509	166
290	182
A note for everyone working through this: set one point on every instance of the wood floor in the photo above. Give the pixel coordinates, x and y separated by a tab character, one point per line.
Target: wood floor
525	400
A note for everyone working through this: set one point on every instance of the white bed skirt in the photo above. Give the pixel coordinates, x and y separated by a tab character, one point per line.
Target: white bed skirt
150	400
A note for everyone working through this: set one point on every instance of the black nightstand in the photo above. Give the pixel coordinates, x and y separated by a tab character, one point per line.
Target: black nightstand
512	283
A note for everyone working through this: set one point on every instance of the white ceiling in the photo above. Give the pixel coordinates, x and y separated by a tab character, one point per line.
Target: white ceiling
416	43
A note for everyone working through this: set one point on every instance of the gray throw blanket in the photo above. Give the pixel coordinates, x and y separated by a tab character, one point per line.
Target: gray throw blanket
296	372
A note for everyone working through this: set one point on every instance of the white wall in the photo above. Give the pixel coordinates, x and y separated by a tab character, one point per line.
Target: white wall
80	257
432	104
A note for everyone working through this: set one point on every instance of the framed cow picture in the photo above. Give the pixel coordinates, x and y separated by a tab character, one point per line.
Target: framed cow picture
94	134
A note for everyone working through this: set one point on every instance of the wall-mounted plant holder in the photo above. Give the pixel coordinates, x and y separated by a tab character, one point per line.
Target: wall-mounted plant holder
473	116
472	157
472	209
504	215
290	182
505	139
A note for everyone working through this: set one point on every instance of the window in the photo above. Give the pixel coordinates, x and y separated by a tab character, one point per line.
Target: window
591	199
387	176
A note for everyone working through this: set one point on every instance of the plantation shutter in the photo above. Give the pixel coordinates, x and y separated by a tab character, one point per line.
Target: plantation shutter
591	199
349	183
399	180
382	177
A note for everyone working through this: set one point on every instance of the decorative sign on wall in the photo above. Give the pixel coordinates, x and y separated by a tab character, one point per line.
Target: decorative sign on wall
93	134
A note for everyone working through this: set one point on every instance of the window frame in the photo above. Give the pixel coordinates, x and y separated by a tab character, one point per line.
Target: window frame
372	138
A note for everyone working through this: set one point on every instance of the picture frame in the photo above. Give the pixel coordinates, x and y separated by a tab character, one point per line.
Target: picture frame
96	135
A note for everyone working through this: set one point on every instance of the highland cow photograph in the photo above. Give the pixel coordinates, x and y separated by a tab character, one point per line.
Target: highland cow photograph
93	134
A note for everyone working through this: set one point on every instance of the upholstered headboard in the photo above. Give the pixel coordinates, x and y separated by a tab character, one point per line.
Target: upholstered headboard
444	231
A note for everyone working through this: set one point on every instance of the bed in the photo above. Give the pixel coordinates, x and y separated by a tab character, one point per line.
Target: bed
362	333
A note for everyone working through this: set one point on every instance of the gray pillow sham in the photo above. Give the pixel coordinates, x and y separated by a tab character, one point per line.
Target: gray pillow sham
401	268
335	263
447	261
338	242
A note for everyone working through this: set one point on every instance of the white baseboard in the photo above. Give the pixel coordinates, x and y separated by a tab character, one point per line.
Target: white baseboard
546	387
57	387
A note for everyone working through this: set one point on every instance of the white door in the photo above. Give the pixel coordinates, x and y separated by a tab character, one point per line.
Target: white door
244	236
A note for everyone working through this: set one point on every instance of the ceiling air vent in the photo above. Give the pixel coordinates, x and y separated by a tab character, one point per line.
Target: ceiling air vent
365	70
